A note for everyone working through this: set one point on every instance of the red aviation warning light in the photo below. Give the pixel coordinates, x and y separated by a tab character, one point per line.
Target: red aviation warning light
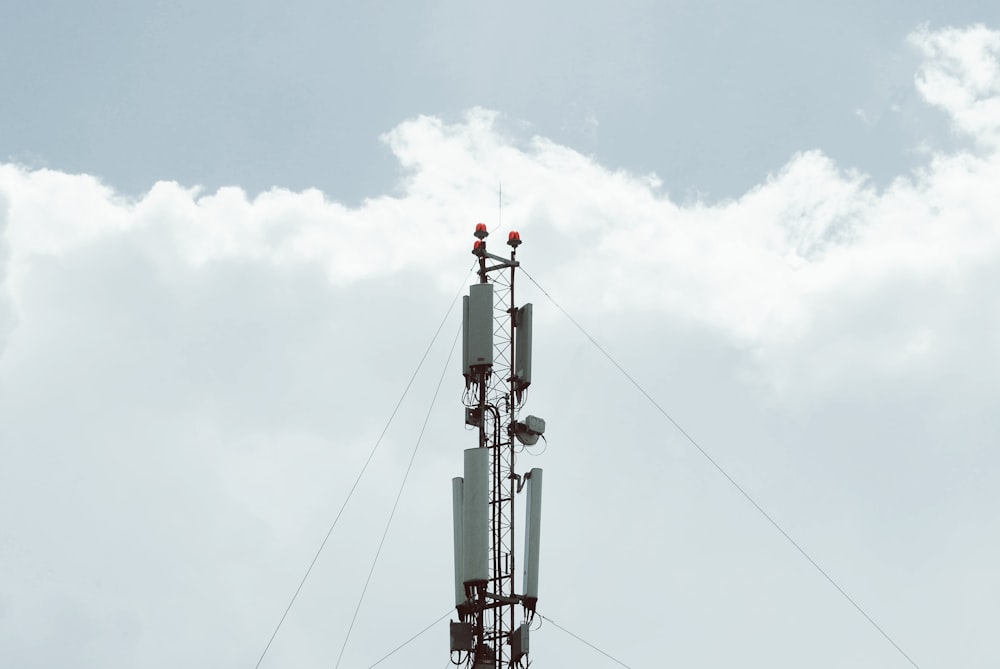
514	239
481	231
478	248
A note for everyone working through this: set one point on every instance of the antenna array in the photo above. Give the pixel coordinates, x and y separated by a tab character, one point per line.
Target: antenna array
496	364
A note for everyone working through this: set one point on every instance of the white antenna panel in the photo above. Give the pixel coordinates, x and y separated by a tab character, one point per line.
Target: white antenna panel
477	327
522	348
456	507
532	533
475	516
466	367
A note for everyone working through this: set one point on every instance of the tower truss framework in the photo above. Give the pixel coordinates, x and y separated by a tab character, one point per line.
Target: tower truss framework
493	397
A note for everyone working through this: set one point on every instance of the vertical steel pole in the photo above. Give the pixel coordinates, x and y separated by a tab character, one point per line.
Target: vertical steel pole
511	412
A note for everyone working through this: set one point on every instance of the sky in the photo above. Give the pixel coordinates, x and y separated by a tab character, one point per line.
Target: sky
228	235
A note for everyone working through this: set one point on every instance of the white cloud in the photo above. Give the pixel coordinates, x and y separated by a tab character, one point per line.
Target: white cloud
961	75
764	267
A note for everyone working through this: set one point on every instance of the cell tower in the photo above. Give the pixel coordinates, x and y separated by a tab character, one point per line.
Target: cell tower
496	364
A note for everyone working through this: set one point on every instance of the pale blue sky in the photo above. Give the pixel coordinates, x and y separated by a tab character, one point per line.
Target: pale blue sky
710	96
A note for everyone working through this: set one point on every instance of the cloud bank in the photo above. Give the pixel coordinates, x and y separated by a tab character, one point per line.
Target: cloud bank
763	267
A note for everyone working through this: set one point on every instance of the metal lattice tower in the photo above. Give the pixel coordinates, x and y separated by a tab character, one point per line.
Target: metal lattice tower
496	376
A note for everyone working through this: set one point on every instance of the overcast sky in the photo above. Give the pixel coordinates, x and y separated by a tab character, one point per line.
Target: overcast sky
228	232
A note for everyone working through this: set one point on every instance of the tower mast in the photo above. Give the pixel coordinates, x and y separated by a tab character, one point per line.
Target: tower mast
496	364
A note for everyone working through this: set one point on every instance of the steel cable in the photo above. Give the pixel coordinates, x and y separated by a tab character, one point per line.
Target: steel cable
725	474
408	641
584	641
399	496
364	468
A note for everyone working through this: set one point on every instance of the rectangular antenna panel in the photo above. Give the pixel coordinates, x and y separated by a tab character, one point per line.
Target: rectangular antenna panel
466	367
532	533
475	515
522	348
456	511
478	326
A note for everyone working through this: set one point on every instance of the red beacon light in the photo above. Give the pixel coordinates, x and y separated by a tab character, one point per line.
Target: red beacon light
478	248
514	239
481	231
